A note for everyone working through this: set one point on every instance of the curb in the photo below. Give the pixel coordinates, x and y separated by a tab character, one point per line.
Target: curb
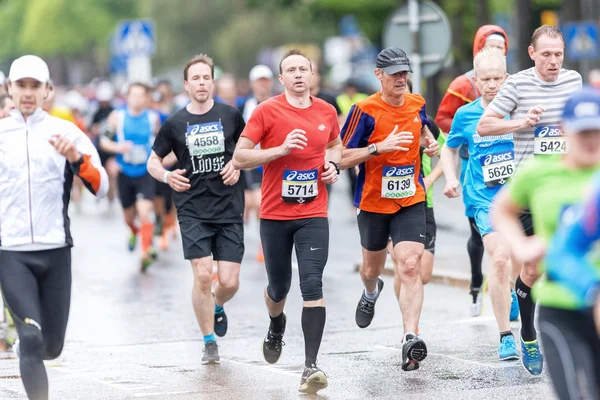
439	275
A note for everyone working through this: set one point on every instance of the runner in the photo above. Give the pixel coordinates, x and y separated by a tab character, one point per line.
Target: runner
208	195
490	165
534	99
130	135
548	186
261	81
6	105
574	276
40	156
293	211
463	91
390	195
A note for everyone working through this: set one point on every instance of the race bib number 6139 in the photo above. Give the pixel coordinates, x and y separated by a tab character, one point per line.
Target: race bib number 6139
398	182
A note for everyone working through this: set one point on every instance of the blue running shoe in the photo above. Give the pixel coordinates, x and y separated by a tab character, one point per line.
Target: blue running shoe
132	241
532	359
508	349
514	306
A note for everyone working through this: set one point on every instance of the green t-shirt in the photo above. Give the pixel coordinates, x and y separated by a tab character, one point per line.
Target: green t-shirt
546	187
426	169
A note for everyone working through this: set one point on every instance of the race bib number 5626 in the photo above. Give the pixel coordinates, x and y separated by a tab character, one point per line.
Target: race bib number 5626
549	140
205	139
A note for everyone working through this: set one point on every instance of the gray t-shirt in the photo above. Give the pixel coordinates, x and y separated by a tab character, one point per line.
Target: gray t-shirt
523	91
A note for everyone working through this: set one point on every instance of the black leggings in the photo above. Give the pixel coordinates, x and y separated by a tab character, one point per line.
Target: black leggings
310	236
36	286
475	250
572	351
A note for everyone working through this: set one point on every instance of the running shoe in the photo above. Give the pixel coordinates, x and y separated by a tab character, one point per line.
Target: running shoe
508	349
220	323
132	241
365	310
476	297
414	351
313	380
211	353
273	343
514	306
531	357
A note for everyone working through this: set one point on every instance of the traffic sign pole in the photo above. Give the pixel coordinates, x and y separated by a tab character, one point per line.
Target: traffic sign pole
415	59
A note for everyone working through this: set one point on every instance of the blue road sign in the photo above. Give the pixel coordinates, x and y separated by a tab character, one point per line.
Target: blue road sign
135	38
581	40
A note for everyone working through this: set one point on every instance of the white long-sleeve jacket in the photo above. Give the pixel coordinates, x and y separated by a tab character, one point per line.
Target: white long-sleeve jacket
36	180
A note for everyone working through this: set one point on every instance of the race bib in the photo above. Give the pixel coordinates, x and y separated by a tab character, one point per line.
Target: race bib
204	139
497	168
137	155
549	140
398	182
299	186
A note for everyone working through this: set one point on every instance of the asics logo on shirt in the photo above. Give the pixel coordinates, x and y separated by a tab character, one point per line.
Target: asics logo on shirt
549	131
394	171
497	158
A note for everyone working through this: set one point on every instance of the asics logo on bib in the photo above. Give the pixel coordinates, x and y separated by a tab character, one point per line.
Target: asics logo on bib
551	131
301	176
498	158
205	128
396	171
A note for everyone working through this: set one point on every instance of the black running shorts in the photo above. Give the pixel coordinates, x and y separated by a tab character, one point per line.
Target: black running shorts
225	242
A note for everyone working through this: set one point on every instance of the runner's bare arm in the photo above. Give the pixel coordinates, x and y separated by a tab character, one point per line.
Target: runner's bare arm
394	142
176	179
449	165
107	144
247	156
432	147
170	160
334	150
492	123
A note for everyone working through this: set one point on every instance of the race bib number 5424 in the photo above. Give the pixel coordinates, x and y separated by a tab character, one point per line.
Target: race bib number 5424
549	140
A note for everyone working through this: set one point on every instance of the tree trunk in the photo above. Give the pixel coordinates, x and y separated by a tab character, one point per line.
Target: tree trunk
483	12
524	23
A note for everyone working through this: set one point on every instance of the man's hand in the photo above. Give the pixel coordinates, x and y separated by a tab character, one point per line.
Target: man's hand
177	180
530	251
125	147
296	139
65	147
329	174
395	141
230	175
450	191
433	147
533	116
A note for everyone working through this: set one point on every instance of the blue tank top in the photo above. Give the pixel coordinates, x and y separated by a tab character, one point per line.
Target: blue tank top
140	131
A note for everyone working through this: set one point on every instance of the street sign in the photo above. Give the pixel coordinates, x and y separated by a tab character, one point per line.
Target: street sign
581	40
135	38
435	35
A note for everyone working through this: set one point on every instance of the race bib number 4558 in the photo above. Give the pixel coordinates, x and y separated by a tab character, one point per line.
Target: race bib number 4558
300	186
398	182
204	139
549	140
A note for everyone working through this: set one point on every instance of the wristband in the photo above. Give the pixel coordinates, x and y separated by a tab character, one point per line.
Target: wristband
166	176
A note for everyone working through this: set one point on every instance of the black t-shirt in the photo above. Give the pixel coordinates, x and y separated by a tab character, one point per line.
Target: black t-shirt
204	144
323	95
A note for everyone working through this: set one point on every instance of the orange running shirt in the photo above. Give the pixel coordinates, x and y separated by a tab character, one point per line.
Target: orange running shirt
292	186
389	181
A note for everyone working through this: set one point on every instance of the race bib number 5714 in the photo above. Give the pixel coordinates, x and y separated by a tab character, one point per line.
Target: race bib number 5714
549	140
299	186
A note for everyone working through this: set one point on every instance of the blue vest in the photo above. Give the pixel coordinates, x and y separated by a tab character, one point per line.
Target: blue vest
140	131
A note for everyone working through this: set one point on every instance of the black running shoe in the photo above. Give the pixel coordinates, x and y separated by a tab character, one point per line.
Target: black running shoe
313	380
414	351
211	353
220	324
365	310
273	343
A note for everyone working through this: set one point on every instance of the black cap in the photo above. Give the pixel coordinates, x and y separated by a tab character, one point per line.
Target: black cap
393	60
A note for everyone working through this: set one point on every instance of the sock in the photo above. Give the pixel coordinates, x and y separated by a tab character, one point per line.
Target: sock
147	231
313	324
134	229
277	323
372	295
475	249
527	309
218	309
503	334
210	338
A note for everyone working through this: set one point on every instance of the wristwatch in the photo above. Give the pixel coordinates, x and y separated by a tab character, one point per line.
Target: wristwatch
336	165
373	149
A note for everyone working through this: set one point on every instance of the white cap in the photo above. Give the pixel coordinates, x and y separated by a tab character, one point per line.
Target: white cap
105	91
496	36
260	71
29	67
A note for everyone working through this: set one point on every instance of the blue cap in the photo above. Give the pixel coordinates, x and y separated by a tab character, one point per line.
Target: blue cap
582	111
